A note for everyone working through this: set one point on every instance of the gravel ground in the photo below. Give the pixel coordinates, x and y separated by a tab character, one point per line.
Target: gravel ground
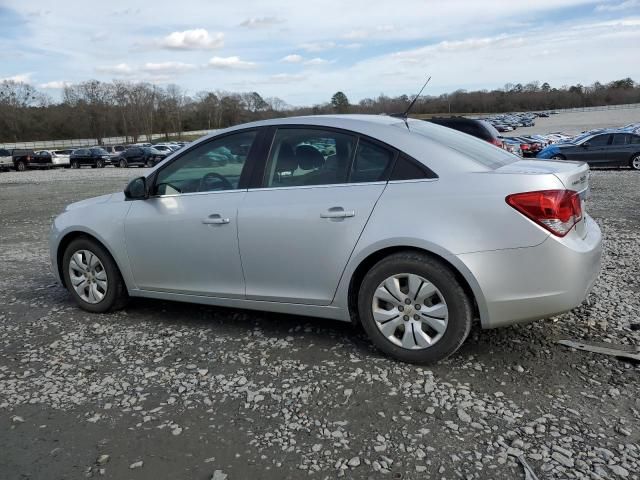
168	390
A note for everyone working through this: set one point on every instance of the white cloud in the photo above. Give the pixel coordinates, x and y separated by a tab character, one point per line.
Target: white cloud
197	39
261	22
292	58
55	85
230	63
119	69
19	78
168	67
286	78
314	62
318	46
608	7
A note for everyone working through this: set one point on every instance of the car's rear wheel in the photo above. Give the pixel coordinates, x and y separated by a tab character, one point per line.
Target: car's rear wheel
635	162
414	309
21	166
92	277
558	157
75	164
100	163
123	163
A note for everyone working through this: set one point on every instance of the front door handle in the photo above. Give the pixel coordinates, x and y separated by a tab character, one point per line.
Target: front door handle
338	212
215	219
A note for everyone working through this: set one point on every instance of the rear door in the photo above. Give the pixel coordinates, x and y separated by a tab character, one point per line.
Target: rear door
619	151
298	228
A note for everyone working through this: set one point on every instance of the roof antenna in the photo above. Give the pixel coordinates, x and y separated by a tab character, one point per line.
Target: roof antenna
405	115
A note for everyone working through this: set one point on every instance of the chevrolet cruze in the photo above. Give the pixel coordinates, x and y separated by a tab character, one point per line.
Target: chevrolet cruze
410	229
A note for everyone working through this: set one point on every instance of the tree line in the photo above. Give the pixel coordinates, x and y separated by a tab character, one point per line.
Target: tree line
95	109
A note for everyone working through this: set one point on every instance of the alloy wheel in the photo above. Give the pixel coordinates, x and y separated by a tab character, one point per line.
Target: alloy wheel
635	162
88	276
410	311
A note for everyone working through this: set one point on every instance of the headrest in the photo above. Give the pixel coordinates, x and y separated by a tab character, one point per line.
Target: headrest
309	157
287	161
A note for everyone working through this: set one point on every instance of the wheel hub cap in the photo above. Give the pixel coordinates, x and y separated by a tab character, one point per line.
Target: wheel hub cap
410	311
88	276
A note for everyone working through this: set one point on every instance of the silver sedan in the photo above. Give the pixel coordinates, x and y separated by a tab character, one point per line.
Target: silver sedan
407	228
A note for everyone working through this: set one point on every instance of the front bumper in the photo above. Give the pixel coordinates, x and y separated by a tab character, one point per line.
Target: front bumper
525	284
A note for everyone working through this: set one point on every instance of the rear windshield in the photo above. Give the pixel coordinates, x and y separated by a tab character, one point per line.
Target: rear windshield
478	150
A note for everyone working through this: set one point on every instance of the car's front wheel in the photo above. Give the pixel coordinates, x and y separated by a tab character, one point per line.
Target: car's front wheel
635	162
100	163
414	309
92	277
123	163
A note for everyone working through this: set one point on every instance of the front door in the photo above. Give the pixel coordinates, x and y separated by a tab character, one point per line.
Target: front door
595	150
297	232
184	238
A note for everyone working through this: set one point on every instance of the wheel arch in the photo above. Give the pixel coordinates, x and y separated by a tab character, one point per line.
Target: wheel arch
633	155
70	237
463	275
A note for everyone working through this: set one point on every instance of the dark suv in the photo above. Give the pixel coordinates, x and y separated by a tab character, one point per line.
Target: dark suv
97	157
477	128
141	156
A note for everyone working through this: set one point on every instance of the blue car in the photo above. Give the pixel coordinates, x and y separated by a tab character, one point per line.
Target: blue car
602	149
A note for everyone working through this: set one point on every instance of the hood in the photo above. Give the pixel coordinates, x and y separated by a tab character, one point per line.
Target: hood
110	197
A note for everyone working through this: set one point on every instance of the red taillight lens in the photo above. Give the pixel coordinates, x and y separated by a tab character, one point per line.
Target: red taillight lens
525	146
497	142
556	210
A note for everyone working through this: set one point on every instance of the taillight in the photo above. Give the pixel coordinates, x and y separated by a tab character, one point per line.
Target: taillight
524	146
497	142
556	210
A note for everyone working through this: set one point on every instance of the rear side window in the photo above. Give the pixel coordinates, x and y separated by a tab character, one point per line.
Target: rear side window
620	139
635	140
372	163
407	168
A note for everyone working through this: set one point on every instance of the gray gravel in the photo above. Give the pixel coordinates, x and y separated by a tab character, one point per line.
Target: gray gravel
168	390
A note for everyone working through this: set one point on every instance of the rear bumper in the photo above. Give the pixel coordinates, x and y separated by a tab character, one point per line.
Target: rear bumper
525	284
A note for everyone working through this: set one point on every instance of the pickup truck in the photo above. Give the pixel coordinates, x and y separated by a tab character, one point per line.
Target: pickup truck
24	159
6	159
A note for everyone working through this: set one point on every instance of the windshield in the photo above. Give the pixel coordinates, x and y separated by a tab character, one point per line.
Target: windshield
580	138
479	150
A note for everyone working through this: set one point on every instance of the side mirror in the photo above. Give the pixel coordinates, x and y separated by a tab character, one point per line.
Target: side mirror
137	189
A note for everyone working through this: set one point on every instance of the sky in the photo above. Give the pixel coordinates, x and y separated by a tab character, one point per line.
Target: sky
303	52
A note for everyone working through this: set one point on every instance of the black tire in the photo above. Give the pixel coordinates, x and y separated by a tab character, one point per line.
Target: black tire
149	163
21	166
558	157
460	307
123	163
99	163
116	296
75	164
634	161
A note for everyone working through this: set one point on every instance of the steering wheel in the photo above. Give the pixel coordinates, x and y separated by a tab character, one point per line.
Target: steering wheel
212	179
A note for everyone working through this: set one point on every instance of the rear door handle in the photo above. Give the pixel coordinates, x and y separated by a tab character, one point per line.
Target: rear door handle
338	212
215	219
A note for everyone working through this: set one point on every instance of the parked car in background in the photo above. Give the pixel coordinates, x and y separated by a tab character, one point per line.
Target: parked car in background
96	157
114	150
52	157
167	149
325	216
22	159
139	156
477	128
6	159
62	157
512	146
608	149
528	146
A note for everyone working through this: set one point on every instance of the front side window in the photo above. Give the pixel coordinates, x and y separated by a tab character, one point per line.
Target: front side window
212	166
599	141
309	156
